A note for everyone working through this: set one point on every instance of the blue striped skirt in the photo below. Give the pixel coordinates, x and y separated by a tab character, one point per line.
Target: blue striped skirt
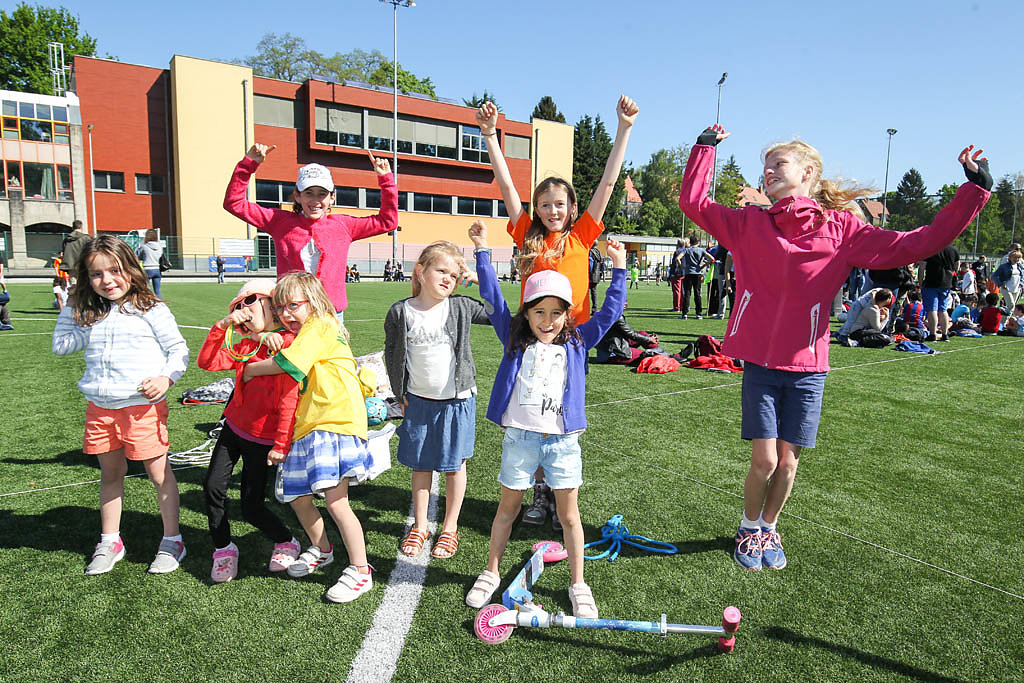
320	461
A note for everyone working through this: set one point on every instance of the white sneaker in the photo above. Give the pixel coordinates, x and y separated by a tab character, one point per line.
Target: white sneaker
309	561
482	590
168	557
350	585
583	605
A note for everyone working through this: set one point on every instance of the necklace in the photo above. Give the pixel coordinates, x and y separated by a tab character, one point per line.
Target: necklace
243	357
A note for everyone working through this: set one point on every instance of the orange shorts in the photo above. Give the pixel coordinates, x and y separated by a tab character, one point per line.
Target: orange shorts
140	430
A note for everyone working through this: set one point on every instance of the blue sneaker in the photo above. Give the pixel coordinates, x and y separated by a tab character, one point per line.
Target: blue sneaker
772	556
748	548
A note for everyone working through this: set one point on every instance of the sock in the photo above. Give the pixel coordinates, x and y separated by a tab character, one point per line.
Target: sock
749	524
229	546
110	538
767	525
173	538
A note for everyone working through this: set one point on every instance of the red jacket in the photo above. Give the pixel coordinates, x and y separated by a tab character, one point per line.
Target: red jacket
265	406
792	258
292	231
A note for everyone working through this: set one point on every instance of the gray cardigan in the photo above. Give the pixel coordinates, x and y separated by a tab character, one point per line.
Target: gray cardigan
462	312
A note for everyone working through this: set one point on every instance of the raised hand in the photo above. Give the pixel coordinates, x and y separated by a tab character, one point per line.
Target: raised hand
259	152
976	167
382	166
478	234
712	135
487	118
617	253
626	110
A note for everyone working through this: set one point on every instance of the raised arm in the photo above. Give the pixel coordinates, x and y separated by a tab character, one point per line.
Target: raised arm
626	111
386	219
235	201
723	223
490	289
487	119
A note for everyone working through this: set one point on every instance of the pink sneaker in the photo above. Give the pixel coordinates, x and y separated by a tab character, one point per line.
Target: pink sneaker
284	555
225	564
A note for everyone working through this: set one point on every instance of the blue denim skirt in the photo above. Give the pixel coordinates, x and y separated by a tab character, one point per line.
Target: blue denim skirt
437	435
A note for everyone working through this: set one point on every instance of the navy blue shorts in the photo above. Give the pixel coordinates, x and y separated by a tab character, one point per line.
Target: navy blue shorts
779	404
934	298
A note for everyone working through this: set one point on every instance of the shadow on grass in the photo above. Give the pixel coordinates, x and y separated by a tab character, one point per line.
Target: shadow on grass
75	457
882	663
36	311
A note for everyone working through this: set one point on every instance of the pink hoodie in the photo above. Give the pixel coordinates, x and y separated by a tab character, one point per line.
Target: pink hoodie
791	259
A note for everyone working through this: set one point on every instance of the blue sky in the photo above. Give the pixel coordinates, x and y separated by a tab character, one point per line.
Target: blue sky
944	74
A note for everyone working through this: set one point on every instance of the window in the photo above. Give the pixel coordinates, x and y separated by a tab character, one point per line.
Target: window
64	192
13	174
470	206
517	146
38	131
108	181
39	181
373	199
502	211
273	193
473	147
277	111
10	108
27	109
43	111
432	203
435	139
10	129
149	184
380	128
60	113
60	134
339	125
346	196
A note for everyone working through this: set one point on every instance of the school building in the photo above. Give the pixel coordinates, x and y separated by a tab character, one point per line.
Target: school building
134	147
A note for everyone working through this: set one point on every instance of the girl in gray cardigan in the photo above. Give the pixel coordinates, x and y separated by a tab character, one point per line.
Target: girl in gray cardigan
429	363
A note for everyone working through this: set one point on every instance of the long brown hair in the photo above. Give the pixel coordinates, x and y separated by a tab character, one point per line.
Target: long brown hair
89	307
533	242
831	194
520	335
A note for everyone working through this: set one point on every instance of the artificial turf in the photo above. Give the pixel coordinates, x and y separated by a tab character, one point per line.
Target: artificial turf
904	559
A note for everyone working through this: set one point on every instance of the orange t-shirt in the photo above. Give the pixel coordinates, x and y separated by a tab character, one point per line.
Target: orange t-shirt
574	263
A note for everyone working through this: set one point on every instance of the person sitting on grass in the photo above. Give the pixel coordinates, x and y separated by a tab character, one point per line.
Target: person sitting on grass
622	344
991	316
965	316
1014	325
913	311
867	328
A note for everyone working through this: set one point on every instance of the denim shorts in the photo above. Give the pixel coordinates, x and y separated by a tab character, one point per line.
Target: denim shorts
523	451
779	404
934	298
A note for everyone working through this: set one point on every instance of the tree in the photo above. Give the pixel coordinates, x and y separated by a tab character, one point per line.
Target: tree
24	34
730	182
547	110
591	147
992	235
1004	190
910	206
288	58
658	182
476	101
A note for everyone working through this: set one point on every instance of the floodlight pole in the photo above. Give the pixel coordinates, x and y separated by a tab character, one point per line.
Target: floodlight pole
395	4
718	118
885	189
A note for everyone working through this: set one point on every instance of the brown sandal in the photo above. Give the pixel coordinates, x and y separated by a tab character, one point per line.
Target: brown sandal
446	545
413	542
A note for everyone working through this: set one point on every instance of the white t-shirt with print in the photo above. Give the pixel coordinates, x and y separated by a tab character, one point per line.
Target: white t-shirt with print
429	356
536	402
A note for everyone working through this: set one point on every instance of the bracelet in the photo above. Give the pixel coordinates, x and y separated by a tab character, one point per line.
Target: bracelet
489	133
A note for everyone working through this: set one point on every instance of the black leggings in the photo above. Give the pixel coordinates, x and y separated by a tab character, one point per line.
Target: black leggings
229	448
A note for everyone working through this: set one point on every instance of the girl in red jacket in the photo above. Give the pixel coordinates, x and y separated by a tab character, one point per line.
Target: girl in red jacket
790	261
251	426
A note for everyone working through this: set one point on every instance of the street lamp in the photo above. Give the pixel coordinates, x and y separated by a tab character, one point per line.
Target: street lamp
718	118
885	189
394	140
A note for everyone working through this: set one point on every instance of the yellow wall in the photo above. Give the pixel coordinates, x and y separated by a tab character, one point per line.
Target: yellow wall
209	139
552	151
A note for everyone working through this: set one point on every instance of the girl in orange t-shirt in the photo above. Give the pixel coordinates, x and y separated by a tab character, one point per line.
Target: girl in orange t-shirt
550	239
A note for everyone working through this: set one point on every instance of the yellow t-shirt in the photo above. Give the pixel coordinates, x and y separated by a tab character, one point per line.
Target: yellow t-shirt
331	393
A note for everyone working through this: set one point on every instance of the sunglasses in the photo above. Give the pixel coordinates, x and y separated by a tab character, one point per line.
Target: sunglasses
291	306
247	301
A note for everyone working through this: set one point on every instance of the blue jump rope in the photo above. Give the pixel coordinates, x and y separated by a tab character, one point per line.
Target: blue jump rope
615	533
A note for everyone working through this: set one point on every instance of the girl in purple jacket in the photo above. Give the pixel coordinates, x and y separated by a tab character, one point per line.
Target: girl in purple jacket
790	261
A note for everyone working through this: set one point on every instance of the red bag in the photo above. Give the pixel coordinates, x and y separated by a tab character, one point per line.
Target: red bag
708	345
658	365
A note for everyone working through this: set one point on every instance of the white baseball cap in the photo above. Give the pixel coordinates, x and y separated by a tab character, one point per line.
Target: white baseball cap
314	175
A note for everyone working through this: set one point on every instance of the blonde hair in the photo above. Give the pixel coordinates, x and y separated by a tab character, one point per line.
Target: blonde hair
432	254
297	286
534	241
831	194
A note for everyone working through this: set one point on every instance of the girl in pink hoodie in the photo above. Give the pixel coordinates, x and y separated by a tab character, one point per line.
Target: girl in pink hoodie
790	261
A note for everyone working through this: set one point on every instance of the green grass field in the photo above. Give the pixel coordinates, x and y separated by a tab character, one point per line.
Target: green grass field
904	558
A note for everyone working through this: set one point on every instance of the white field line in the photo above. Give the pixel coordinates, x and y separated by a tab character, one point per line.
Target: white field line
812	522
25	334
377	658
83	483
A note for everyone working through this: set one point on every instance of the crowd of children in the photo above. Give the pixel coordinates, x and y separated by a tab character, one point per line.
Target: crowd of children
297	415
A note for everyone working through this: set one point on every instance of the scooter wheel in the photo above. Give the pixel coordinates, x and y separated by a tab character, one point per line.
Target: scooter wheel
554	553
492	635
727	645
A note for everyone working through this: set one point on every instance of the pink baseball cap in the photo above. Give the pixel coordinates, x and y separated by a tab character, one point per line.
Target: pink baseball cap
547	283
261	286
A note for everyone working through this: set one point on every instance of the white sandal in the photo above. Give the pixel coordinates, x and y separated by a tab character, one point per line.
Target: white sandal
583	605
482	590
